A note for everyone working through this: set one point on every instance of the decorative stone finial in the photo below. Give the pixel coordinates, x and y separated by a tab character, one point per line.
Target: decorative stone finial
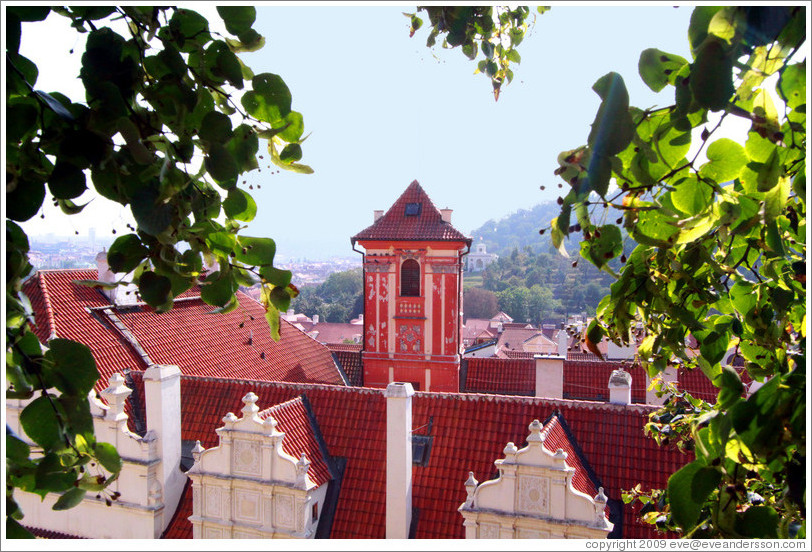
250	408
560	455
230	418
600	497
302	466
197	451
535	428
116	395
510	451
470	487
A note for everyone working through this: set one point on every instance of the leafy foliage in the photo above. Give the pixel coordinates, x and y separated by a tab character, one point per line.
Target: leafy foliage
720	260
164	131
493	31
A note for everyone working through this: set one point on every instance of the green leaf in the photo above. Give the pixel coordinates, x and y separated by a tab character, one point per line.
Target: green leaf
240	205
255	251
218	289
270	99
775	201
216	127
688	488
605	245
39	421
108	456
272	317
24	200
16	449
712	76
67	181
275	276
16	531
613	128
21	118
222	166
291	153
126	253
77	413
155	290
70	499
691	196
726	159
152	216
238	19
658	68
74	369
758	522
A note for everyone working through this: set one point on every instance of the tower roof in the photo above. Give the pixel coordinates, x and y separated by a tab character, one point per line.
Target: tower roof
412	217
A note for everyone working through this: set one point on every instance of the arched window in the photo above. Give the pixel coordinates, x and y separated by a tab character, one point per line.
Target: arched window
410	278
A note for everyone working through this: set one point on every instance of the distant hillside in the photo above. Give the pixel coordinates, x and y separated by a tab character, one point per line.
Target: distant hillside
521	229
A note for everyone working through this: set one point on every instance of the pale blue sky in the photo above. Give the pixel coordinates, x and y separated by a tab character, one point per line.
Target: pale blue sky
384	110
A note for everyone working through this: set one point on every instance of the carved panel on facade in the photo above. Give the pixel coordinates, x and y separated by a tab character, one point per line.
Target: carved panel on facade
244	535
444	269
377	267
534	494
246	457
284	511
214	502
213	533
247	506
524	533
488	531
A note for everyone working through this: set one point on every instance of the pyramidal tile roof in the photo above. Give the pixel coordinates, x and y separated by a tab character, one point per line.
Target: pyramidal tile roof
426	225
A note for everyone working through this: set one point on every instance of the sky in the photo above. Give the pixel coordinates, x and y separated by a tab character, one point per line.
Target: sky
383	110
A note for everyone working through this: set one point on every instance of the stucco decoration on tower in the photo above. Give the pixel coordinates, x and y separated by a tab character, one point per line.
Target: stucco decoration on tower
413	294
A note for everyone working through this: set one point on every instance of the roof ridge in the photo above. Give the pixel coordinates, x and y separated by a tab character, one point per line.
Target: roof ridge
267	411
49	311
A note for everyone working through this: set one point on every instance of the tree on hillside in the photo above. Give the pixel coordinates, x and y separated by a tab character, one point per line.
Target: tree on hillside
170	121
720	259
479	303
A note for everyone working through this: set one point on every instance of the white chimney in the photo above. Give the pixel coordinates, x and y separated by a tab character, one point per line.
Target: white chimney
162	401
445	214
549	376
398	459
376	214
563	342
620	387
315	319
106	275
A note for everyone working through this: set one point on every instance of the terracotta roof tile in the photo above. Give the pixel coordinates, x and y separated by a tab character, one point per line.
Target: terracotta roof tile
589	380
503	376
198	342
427	225
469	433
293	419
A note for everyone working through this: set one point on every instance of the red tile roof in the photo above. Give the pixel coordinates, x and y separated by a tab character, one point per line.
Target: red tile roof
589	380
336	332
180	527
503	376
427	226
48	534
469	433
349	358
293	419
198	342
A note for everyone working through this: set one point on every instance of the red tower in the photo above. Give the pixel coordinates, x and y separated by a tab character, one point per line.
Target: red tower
412	294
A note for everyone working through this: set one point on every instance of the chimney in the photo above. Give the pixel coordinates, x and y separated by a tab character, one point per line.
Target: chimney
445	214
563	342
669	375
315	319
398	459
106	275
549	376
620	387
162	400
376	214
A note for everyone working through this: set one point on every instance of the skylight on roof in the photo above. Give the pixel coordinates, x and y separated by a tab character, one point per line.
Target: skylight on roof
413	209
